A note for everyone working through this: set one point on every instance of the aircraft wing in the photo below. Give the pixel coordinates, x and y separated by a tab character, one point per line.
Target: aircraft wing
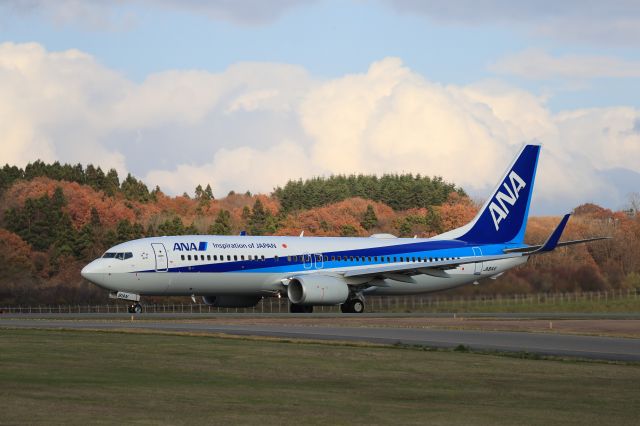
403	272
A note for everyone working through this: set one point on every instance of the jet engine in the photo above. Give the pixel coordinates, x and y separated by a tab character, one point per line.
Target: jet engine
231	301
317	290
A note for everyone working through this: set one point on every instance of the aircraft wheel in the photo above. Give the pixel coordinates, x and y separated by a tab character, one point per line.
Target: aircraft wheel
352	306
136	308
357	306
130	309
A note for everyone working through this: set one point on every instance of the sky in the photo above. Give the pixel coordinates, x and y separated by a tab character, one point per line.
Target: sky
248	94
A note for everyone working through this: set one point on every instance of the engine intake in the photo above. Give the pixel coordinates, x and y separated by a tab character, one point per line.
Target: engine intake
231	301
317	290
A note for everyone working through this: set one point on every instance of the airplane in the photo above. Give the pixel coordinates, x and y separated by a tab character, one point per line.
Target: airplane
239	271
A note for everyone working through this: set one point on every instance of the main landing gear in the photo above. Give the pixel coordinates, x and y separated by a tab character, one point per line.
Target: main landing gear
300	309
135	308
352	306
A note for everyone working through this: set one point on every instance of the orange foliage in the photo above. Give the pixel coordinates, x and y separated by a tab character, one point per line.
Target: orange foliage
457	211
13	250
329	220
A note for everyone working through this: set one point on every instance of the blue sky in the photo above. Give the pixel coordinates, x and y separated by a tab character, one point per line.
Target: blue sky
329	38
269	71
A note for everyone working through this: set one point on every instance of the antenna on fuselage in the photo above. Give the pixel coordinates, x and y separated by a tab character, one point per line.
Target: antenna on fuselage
302	234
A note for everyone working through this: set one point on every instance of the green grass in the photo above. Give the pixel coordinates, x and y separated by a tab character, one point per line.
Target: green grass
74	377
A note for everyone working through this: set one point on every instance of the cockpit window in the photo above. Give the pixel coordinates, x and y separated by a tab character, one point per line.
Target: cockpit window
119	255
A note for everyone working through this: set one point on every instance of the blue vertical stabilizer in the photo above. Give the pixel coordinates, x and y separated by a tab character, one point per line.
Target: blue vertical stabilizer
503	218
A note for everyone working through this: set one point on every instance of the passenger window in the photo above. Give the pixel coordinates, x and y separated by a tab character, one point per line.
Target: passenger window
228	257
235	257
242	257
182	257
208	257
202	257
189	257
263	257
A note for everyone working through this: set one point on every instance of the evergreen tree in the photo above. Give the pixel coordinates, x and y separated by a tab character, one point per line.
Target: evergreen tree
136	190
172	227
208	192
400	192
198	192
246	213
369	220
348	231
222	224
112	183
258	219
433	221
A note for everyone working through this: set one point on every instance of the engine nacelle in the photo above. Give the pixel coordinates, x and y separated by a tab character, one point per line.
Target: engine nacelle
317	290
231	301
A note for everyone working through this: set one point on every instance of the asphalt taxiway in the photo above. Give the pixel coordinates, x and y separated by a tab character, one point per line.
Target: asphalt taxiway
593	347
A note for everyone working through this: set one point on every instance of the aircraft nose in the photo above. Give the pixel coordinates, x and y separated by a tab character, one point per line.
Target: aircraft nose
90	272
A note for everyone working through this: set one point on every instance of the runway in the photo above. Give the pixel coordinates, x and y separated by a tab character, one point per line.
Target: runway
593	347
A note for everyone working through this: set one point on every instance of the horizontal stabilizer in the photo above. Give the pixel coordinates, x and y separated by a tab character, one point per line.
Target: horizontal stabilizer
532	249
552	241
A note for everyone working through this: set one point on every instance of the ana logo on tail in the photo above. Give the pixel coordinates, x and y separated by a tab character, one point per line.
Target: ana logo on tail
498	207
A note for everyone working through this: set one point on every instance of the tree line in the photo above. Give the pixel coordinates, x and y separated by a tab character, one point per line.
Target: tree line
398	191
95	177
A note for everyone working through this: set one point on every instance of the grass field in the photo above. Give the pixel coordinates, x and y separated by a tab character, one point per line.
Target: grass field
65	377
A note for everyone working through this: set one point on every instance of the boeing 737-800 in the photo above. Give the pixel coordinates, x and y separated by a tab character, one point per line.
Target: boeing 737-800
238	271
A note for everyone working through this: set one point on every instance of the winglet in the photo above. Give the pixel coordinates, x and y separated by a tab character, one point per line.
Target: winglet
552	241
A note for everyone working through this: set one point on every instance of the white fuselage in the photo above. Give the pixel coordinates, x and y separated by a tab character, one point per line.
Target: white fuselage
261	266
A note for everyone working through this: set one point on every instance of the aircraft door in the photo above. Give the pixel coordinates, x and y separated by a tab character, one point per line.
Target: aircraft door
308	261
477	251
319	261
162	263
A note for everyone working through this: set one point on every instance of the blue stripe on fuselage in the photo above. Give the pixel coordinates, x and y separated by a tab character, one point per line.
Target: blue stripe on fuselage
432	249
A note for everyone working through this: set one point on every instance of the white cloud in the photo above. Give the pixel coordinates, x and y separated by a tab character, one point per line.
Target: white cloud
256	125
538	64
